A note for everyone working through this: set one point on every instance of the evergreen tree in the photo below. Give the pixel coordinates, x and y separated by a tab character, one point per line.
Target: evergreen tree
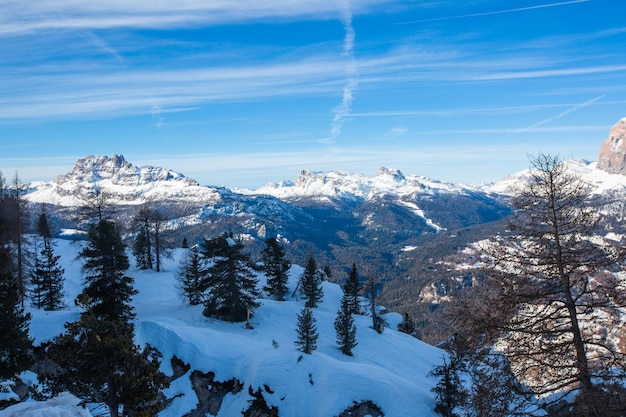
47	275
407	325
307	331
345	327
311	284
191	276
142	247
108	290
142	250
96	356
449	391
230	281
351	289
276	266
371	291
99	362
14	341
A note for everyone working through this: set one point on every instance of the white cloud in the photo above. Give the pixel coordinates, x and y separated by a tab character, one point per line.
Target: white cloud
105	14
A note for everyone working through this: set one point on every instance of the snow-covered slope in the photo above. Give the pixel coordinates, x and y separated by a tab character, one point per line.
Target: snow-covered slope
601	181
389	369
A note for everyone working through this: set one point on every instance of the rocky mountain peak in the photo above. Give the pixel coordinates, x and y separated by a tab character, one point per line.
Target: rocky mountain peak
117	171
396	174
612	157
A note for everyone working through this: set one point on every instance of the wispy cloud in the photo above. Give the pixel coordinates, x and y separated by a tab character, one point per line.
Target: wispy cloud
518	9
46	15
559	72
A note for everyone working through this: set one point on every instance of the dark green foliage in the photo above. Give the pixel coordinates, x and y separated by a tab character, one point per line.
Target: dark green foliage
47	275
230	281
407	325
191	276
97	358
276	267
307	331
142	250
345	327
449	391
351	289
15	344
311	284
108	290
99	363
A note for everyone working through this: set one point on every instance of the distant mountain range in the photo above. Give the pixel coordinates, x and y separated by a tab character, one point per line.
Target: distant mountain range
400	228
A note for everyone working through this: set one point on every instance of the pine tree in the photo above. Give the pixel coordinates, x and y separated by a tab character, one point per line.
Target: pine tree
14	341
449	391
407	325
371	291
276	266
351	289
550	293
96	356
311	284
47	275
345	327
230	281
108	290
191	276
142	251
307	331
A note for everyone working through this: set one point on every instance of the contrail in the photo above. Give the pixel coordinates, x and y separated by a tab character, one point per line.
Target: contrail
345	107
519	9
564	113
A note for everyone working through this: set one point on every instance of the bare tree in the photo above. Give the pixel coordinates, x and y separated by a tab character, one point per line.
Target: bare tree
550	299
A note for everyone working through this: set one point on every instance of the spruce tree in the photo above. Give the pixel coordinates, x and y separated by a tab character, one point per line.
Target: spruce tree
276	266
449	390
14	341
311	284
142	250
407	325
351	289
97	358
191	276
307	331
230	281
47	275
345	327
108	290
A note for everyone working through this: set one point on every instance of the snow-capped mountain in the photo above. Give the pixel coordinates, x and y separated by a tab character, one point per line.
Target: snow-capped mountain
339	185
388	370
120	181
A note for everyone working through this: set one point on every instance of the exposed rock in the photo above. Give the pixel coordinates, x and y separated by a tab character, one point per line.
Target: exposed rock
210	393
363	409
179	368
612	157
258	406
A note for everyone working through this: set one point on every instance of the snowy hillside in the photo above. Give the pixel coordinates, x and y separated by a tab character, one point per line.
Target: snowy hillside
388	369
601	181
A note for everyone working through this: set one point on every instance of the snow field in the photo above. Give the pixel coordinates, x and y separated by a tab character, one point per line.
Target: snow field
389	369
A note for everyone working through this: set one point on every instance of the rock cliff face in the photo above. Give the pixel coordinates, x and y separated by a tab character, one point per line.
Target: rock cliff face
94	169
612	157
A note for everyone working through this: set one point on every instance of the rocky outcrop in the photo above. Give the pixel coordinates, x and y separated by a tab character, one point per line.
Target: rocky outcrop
612	157
94	169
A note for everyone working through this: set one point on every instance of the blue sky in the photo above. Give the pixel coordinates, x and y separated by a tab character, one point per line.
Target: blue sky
241	93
